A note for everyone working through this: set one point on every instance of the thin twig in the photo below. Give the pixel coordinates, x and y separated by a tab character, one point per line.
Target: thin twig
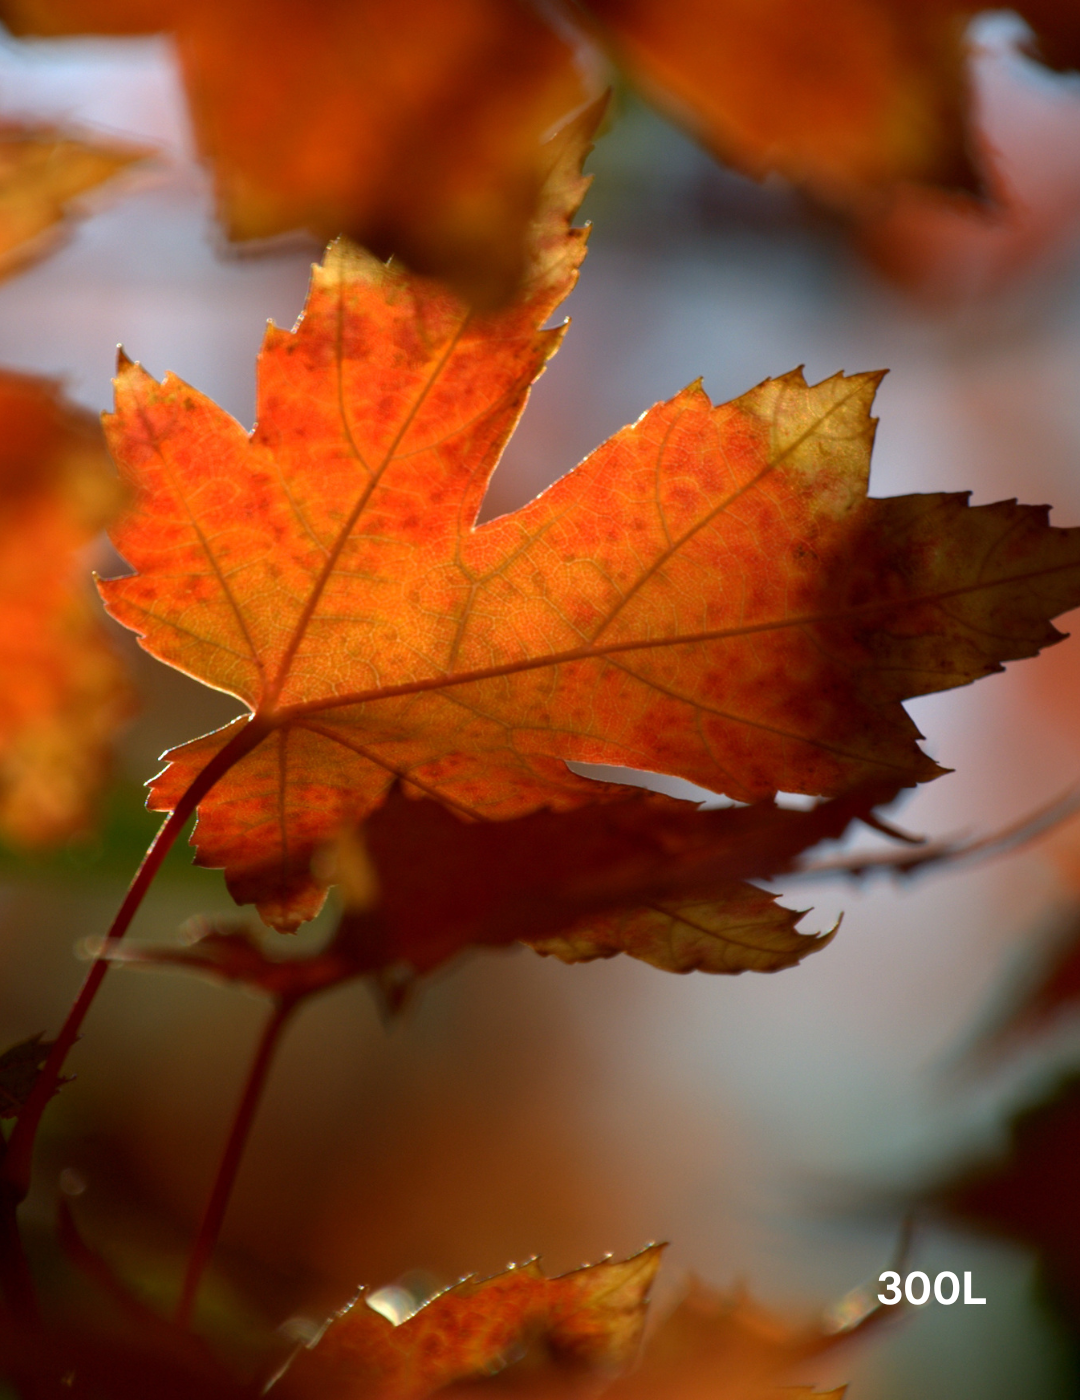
19	1156
996	843
229	1166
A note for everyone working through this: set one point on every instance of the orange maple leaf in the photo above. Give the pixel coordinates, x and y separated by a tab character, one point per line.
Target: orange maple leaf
589	1320
849	98
414	128
41	172
710	594
64	691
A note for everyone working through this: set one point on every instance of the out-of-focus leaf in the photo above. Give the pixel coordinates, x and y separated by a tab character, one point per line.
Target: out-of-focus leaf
950	249
1036	997
589	1321
850	99
1055	37
64	691
416	129
41	172
918	854
645	875
846	97
227	952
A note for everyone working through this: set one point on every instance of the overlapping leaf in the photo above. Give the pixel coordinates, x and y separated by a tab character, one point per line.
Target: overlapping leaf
64	691
710	594
643	875
41	172
416	128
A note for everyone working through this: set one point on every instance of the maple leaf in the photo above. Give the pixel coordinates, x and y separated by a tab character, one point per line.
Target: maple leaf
710	594
19	1069
589	1320
849	98
65	691
41	172
644	875
416	129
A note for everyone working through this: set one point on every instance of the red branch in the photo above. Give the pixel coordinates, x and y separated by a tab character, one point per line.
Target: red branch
18	1159
229	1166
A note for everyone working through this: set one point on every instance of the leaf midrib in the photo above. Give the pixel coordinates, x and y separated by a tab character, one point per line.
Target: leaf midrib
592	652
326	572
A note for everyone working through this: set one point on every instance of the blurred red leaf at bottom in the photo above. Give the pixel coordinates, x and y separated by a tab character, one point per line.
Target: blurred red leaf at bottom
523	1335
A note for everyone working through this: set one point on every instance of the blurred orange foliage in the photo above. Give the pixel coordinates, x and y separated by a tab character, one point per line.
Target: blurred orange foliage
41	172
574	1336
589	1320
415	128
65	691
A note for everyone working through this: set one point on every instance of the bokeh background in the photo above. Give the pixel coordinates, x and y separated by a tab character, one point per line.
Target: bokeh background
775	1129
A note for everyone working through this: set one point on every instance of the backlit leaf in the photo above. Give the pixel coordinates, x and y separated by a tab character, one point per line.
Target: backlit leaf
710	594
520	1335
588	1321
1025	1192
